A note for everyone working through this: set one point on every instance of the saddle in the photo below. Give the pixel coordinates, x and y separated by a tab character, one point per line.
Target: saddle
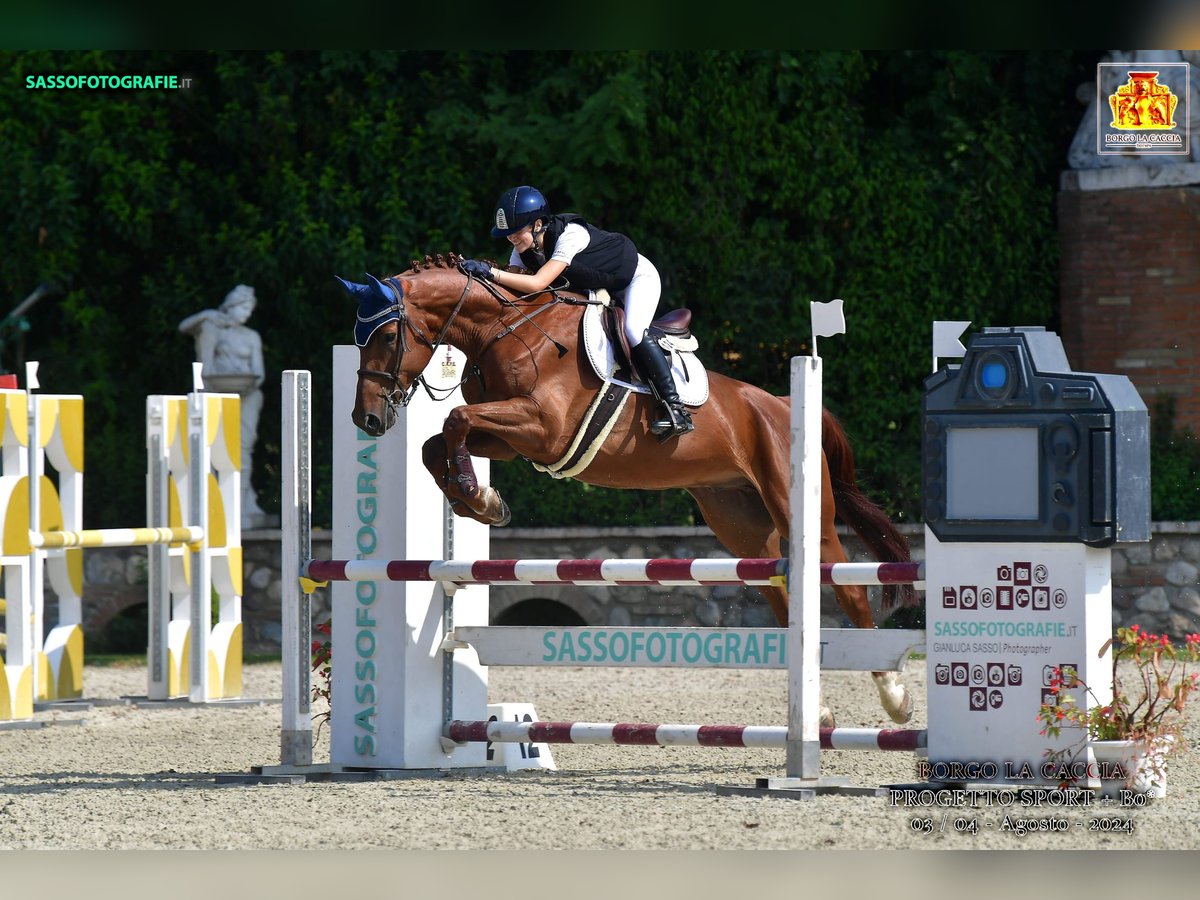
674	328
603	339
602	335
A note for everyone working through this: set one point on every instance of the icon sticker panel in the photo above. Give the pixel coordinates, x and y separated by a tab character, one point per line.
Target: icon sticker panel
984	681
1020	585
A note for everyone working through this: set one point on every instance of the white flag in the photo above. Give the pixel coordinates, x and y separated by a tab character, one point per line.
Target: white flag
946	338
827	319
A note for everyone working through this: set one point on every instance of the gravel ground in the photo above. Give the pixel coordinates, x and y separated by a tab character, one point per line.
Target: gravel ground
143	777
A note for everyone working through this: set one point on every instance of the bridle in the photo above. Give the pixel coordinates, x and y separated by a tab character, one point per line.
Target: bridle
399	397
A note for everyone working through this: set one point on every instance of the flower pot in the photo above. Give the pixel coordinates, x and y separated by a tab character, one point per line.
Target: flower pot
1144	764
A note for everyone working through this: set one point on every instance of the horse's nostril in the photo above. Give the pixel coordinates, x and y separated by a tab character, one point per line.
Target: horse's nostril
371	425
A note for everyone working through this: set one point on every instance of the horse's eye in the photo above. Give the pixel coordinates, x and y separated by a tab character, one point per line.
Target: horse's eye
390	338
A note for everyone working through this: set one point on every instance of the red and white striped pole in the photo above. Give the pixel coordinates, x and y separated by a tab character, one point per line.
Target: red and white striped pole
605	571
764	736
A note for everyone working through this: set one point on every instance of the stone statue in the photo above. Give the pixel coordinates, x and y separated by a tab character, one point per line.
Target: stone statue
232	357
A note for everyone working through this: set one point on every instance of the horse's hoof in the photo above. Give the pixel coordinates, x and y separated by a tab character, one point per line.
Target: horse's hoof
903	713
896	700
495	508
505	515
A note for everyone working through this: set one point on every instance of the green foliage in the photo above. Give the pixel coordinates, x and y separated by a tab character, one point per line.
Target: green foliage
915	186
1174	467
538	500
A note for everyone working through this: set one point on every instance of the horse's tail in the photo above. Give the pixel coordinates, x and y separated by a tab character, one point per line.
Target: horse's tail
869	522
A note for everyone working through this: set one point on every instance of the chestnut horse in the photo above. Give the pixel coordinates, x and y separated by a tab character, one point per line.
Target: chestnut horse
527	391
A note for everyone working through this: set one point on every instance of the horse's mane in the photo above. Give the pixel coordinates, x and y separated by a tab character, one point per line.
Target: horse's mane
450	261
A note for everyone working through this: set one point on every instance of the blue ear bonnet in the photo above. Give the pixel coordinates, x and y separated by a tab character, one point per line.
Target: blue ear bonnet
378	304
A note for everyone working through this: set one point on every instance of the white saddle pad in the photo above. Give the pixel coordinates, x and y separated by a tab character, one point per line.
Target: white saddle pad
691	379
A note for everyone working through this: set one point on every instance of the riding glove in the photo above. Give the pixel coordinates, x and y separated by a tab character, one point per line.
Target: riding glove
478	268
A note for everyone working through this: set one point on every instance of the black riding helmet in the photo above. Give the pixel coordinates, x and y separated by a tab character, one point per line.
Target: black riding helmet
516	208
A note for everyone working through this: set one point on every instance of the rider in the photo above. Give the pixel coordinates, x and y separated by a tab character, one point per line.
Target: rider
546	246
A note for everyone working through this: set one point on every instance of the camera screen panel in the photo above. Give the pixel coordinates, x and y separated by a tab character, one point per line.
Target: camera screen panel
992	473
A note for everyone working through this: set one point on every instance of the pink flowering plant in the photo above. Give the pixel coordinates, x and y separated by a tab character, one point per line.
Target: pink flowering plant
1147	707
322	654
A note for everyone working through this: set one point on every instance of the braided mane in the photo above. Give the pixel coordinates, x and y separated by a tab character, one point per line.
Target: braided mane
437	261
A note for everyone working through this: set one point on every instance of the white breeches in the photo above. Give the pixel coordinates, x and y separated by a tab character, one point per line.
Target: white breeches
641	300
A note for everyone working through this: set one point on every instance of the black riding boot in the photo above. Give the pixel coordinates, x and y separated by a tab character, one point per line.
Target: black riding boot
651	364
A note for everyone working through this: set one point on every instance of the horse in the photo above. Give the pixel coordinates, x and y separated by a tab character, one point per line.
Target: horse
526	393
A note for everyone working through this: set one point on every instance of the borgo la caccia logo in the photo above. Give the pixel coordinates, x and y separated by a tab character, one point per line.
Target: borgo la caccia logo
1147	109
1143	103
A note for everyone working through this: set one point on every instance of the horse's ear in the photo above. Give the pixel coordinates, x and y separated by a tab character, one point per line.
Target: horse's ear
357	291
381	289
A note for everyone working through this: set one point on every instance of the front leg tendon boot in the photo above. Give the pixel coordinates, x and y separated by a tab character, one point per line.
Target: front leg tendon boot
651	363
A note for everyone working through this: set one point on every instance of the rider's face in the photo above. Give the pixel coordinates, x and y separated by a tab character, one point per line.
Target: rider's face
522	240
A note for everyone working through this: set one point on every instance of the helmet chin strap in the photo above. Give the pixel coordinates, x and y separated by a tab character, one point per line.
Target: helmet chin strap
535	235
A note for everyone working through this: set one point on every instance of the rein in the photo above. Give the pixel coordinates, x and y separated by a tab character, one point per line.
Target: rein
525	317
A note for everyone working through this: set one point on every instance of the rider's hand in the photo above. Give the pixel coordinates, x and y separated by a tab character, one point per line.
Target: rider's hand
478	268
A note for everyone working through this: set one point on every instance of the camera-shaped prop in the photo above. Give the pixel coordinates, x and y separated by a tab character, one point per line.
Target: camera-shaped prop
1018	447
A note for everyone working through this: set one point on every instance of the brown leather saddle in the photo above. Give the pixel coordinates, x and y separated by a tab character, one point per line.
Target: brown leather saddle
676	323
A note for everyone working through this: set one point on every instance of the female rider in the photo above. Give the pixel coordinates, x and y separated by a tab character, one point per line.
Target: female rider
546	246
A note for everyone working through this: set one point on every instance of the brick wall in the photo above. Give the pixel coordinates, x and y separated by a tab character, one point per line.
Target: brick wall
1130	289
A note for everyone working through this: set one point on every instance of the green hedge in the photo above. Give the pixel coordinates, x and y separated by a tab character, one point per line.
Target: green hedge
1174	467
913	185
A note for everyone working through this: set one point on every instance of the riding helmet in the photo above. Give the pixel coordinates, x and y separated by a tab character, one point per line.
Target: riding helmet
517	207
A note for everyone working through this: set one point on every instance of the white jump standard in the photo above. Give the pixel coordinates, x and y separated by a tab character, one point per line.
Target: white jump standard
467	643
